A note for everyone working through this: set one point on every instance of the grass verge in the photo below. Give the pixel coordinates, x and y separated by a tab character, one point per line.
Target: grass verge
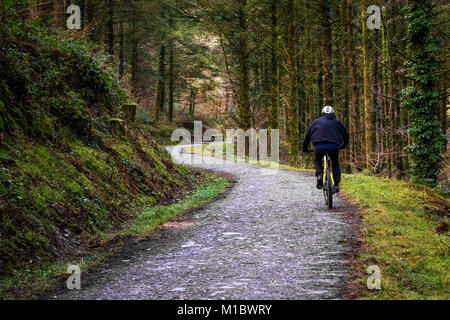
403	232
153	217
33	282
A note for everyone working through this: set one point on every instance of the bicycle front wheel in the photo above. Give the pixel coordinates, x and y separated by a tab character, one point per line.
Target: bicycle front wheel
329	190
325	188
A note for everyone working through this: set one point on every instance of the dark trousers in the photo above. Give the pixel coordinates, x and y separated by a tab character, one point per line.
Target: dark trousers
334	156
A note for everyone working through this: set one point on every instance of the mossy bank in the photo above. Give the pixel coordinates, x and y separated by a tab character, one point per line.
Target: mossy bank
73	164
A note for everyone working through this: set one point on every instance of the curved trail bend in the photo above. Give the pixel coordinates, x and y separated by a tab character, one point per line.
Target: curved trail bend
270	237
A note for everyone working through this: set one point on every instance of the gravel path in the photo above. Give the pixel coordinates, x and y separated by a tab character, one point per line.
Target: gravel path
270	237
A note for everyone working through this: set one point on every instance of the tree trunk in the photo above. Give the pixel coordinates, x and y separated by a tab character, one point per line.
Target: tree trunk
377	141
59	13
292	74
110	27
121	51
421	97
192	97
134	58
388	102
161	90
309	60
275	72
327	53
396	124
45	11
171	79
82	9
352	88
90	21
367	102
244	99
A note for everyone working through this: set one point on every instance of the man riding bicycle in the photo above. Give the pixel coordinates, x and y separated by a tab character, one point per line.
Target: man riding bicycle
327	134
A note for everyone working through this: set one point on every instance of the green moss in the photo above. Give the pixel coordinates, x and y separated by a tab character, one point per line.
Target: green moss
76	186
118	127
92	159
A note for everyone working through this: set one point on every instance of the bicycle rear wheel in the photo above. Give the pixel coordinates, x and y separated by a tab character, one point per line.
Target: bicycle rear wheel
327	182
325	188
329	189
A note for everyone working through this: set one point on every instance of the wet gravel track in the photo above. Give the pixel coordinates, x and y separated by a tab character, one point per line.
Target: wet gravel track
269	237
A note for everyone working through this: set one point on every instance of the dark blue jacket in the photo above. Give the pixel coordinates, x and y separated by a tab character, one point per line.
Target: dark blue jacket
326	130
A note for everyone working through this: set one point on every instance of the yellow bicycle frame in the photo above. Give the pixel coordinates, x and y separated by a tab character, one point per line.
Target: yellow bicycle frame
325	170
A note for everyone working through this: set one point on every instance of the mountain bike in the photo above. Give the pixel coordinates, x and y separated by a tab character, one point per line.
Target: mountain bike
328	181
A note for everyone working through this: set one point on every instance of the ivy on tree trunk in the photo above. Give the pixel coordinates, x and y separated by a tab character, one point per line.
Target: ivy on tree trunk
421	97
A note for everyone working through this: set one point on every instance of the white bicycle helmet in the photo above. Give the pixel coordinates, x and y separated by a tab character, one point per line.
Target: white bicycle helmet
327	109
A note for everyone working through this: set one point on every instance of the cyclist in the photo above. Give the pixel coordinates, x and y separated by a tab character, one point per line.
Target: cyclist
327	134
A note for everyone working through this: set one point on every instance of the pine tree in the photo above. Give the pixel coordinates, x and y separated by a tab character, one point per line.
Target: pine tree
275	72
292	74
367	100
